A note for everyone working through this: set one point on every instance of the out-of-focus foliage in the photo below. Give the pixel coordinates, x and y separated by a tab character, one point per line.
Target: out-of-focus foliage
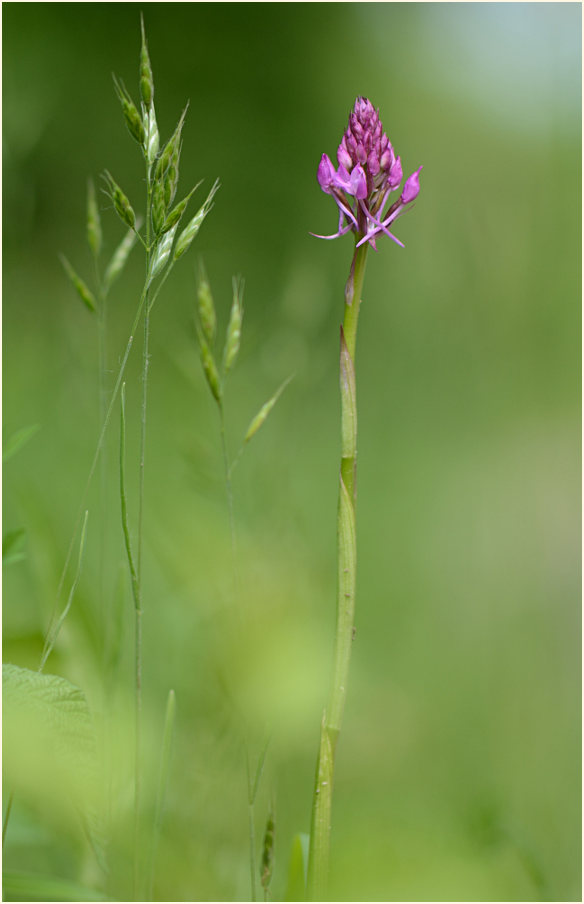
458	769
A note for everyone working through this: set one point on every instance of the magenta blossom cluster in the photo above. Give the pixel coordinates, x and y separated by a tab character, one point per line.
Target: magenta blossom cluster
368	173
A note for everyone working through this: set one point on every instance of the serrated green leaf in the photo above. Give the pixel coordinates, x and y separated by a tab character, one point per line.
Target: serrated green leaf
84	293
49	740
260	418
18	440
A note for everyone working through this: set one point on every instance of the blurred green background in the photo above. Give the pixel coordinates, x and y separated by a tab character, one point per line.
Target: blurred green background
459	765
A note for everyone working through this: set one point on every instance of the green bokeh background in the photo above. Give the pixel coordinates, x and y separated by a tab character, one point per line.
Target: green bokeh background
459	764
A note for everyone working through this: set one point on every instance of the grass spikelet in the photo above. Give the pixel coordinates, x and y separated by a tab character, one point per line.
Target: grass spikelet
158	207
123	208
84	293
53	633
233	337
94	236
261	417
152	135
130	111
119	258
268	853
210	369
206	306
146	78
193	226
171	147
162	253
176	214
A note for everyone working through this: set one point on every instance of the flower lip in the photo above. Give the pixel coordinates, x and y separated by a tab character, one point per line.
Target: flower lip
326	174
411	188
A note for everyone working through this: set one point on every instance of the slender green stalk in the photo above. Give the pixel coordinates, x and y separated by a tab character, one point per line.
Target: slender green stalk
252	790
229	491
7	817
162	781
318	863
138	607
102	388
53	633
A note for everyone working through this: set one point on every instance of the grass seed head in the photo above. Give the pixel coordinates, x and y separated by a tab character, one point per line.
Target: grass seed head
119	258
121	203
210	369
162	253
175	215
268	852
146	79
193	226
206	307
94	236
171	148
233	337
84	293
171	179
158	207
131	115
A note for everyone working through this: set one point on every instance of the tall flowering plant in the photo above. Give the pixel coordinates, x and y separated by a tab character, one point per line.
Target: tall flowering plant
368	173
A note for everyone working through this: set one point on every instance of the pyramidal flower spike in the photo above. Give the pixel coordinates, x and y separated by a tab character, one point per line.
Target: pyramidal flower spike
368	172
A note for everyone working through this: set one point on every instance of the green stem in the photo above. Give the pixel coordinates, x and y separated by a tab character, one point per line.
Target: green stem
228	489
7	817
102	354
138	606
318	861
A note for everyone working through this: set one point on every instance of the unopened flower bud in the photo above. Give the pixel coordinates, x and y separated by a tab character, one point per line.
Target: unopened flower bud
361	153
373	163
343	156
395	174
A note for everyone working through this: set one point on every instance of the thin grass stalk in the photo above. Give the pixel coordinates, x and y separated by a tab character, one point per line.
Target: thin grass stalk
319	851
7	817
53	633
229	492
102	388
162	782
138	607
252	790
100	444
